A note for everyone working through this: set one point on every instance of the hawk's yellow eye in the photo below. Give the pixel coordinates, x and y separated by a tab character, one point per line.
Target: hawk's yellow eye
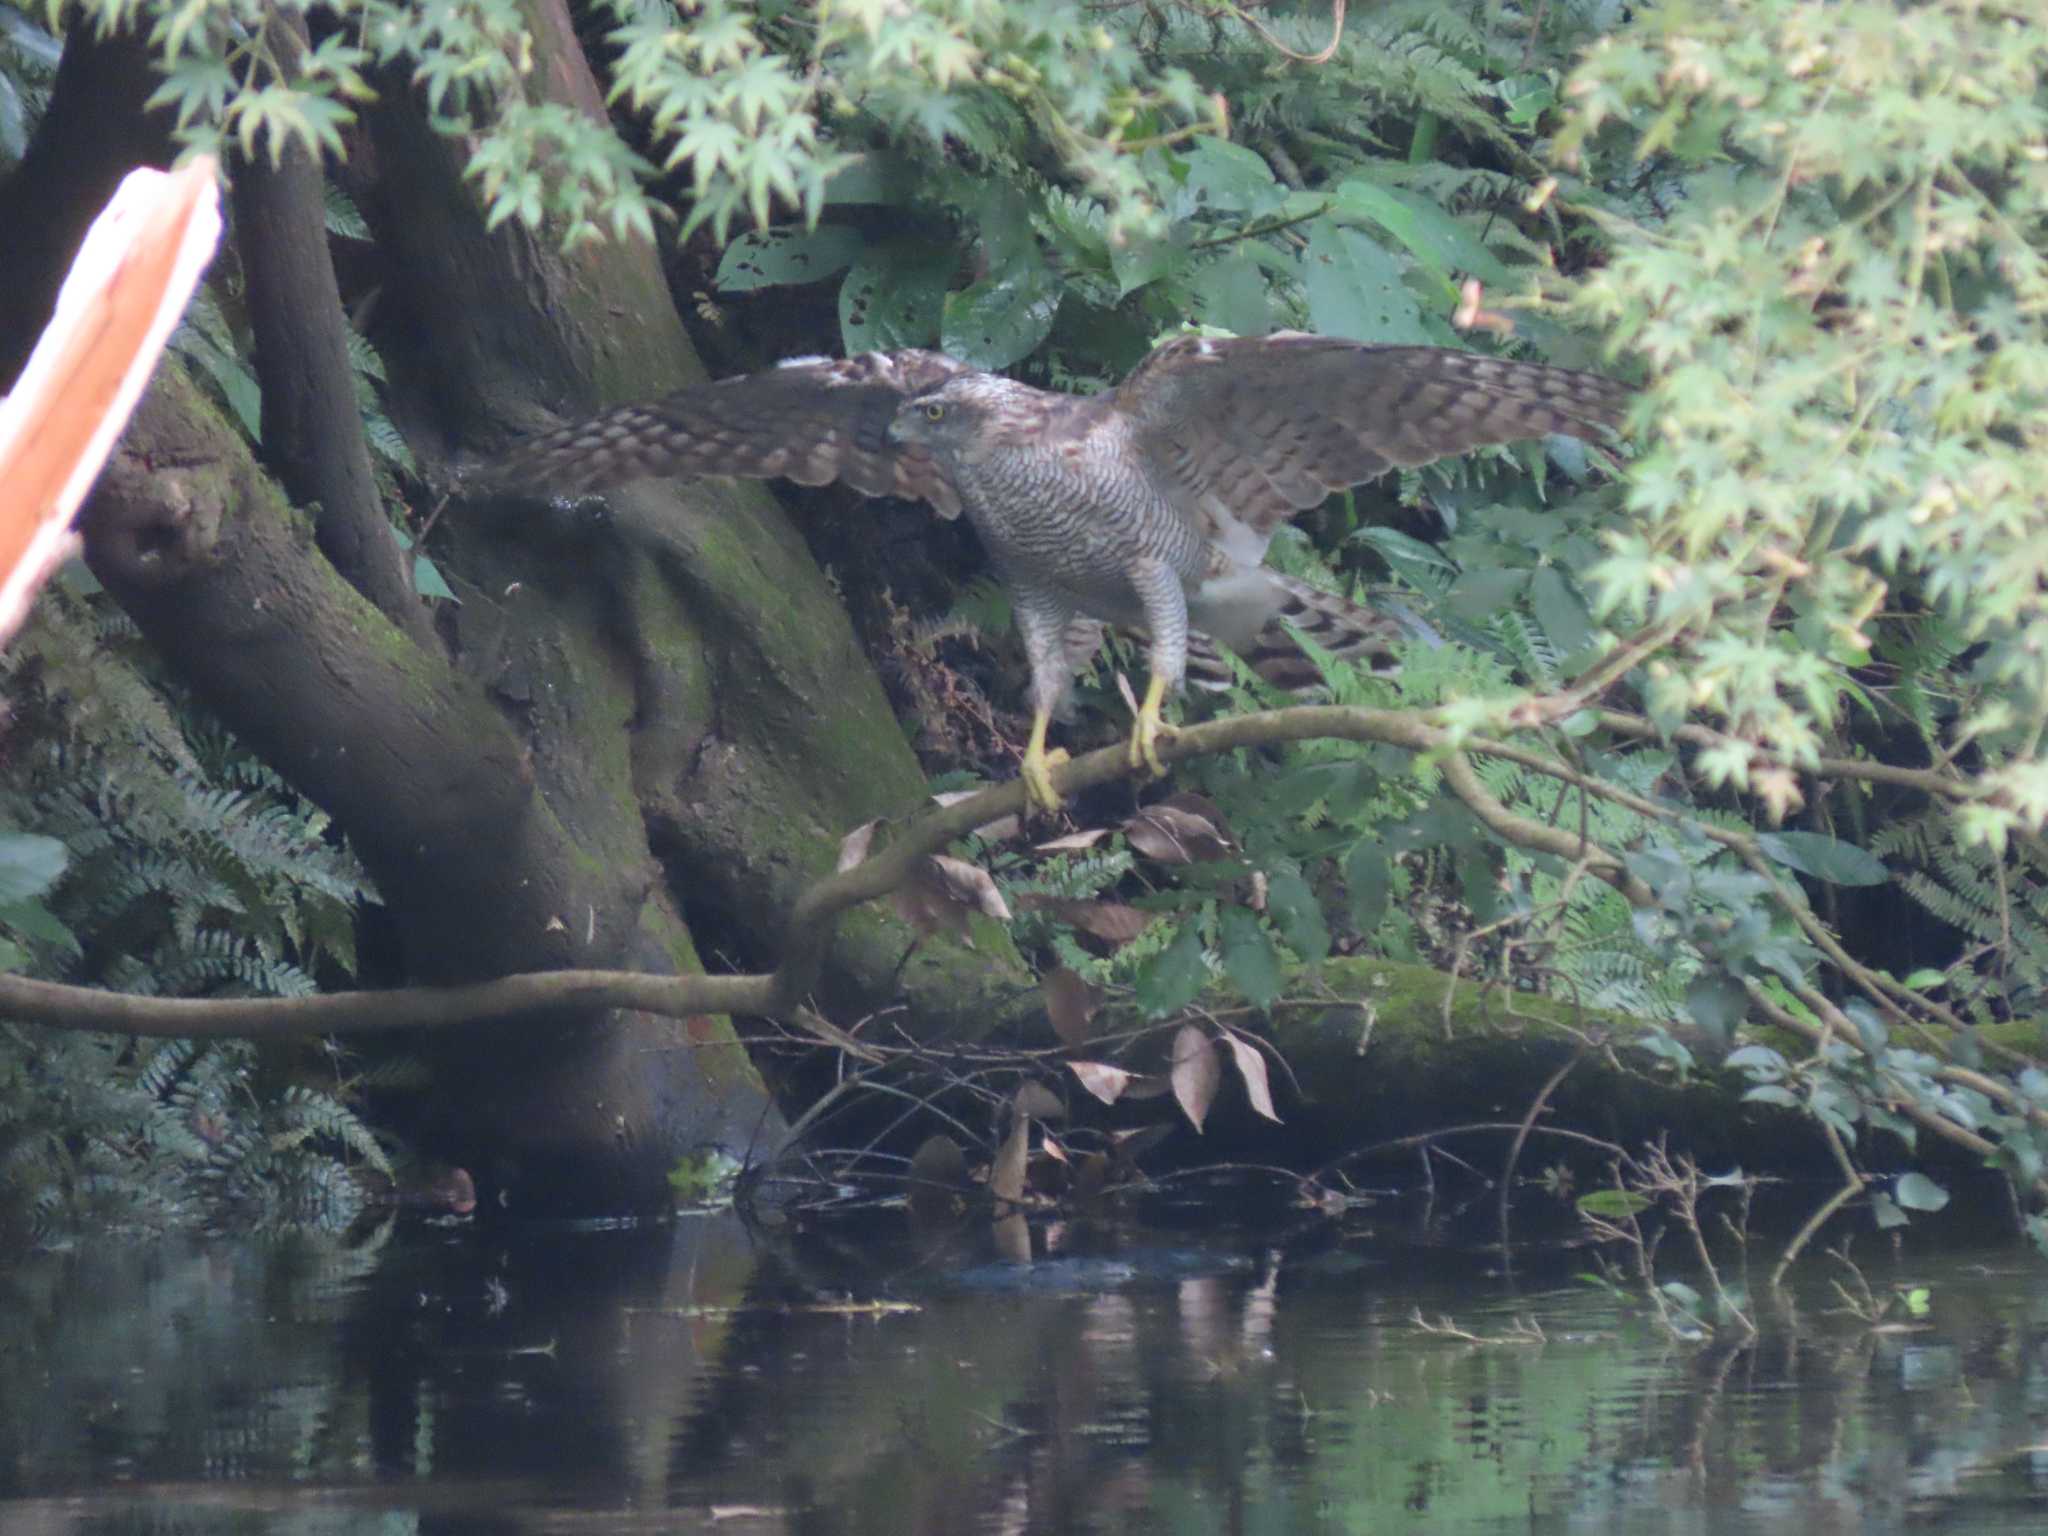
934	412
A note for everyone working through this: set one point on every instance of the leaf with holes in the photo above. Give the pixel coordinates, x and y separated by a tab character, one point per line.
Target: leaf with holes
787	254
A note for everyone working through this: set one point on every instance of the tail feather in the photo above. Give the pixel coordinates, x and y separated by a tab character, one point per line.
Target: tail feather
1349	632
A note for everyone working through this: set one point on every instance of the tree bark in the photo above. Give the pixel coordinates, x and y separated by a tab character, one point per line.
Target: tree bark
757	733
312	426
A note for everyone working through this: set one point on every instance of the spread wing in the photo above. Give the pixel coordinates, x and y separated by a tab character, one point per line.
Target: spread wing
1247	432
811	420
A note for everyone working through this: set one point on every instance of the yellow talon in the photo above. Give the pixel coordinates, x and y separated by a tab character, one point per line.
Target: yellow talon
1149	728
1037	767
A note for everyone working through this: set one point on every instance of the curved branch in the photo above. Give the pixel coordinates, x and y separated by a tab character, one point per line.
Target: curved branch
813	917
1931	781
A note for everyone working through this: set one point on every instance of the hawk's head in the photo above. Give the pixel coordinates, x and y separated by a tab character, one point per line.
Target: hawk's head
967	413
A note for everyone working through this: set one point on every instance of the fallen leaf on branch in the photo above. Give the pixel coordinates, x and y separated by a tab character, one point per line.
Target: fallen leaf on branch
970	885
940	893
1001	830
1073	842
853	848
1167	834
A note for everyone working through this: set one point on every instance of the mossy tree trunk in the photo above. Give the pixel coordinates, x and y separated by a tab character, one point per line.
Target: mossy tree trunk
635	726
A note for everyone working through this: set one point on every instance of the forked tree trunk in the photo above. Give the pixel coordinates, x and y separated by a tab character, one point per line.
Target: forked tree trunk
633	725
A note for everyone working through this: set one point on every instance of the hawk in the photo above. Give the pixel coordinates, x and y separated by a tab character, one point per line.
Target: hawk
1149	505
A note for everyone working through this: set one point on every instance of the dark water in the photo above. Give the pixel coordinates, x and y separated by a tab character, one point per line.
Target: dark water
442	1380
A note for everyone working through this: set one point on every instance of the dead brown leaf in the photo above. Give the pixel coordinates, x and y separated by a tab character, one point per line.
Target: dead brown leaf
971	886
1170	835
1112	922
1070	1003
1251	1066
1039	1102
942	891
853	848
1196	804
1107	1083
1197	1073
1006	1176
938	1179
1073	842
1001	830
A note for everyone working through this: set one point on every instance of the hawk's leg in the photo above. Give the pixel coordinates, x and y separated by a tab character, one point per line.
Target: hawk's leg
1043	620
1166	616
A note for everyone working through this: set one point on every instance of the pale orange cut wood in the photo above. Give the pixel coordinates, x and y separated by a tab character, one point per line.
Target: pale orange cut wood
133	276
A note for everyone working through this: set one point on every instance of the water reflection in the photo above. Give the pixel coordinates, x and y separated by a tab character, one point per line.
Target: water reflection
446	1380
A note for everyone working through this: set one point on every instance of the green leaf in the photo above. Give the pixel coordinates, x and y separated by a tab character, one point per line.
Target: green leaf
875	177
1004	317
894	296
1771	1093
1824	858
1299	916
1138	263
1612	1204
787	254
1173	978
1480	592
33	920
1423	565
1917	1192
1527	97
1759	1061
1560	610
29	864
428	581
1433	237
1368	878
1249	959
1231	294
1717	1003
236	383
1355	288
1228	178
